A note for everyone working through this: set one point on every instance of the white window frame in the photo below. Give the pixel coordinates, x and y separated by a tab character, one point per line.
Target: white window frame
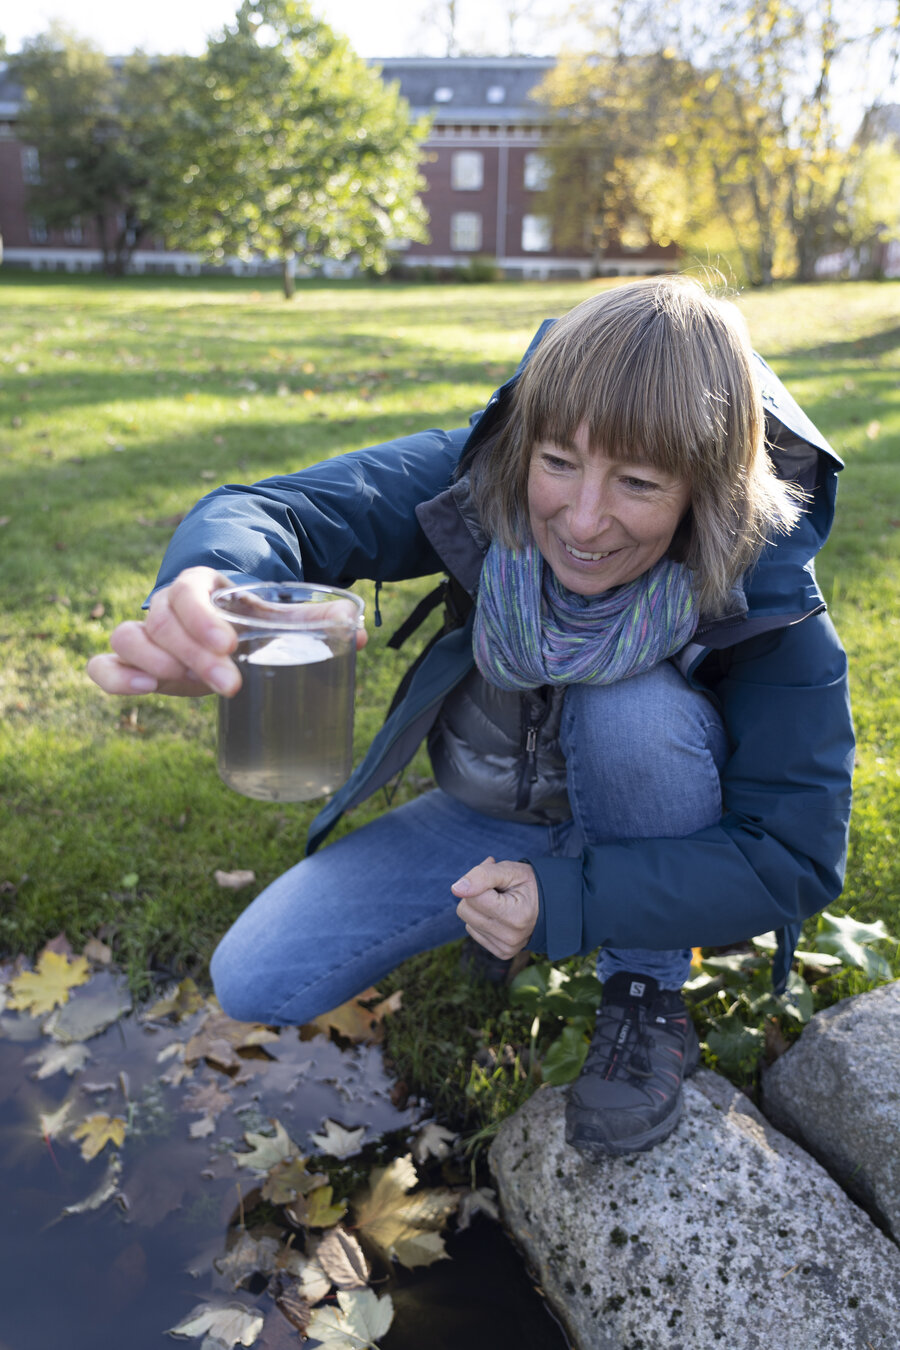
536	172
467	170
31	165
37	230
465	231
536	236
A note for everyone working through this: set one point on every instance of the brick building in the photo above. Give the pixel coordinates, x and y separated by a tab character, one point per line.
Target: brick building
483	166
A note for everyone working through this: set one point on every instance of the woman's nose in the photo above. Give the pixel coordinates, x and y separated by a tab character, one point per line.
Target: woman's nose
588	513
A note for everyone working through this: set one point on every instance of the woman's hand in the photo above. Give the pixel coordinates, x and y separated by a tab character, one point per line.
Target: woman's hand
182	647
498	905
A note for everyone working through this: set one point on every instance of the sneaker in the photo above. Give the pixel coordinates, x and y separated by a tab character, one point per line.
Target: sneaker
478	963
628	1096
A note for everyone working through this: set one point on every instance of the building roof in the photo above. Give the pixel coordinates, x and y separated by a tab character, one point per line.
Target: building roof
496	89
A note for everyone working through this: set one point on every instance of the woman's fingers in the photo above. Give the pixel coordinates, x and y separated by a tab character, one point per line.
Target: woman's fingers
499	905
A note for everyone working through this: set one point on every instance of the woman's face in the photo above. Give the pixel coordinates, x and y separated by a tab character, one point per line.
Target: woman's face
599	522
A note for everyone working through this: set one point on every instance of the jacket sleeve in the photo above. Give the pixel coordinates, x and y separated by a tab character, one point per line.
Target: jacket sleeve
776	857
343	519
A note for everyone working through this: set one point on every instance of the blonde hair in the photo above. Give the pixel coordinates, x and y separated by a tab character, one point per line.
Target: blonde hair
662	373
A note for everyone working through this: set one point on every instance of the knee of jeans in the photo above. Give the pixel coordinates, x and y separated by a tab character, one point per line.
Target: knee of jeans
240	995
640	723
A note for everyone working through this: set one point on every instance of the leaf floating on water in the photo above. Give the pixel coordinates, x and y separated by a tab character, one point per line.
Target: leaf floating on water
358	1324
248	1257
294	1306
343	1260
186	1000
201	1128
231	1324
289	1179
105	1191
98	1131
338	1142
266	1151
90	1013
53	1122
402	1225
55	1058
47	986
434	1141
480	1201
316	1209
234	881
220	1037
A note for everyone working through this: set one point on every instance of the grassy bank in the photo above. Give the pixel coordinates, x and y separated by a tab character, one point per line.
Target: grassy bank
121	403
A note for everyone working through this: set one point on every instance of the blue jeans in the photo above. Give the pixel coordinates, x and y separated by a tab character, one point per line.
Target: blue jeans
643	759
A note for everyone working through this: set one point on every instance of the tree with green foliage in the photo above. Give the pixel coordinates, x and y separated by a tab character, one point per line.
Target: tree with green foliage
102	133
301	151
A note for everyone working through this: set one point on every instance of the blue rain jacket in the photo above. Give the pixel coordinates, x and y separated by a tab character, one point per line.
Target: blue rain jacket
777	673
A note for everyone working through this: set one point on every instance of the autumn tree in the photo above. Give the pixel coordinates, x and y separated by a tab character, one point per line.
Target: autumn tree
301	151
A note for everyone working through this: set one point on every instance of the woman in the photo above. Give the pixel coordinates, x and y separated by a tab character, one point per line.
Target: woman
638	706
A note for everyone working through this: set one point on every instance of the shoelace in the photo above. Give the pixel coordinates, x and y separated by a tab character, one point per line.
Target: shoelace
626	1043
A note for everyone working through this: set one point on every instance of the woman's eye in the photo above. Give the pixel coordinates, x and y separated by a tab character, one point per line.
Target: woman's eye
640	484
554	462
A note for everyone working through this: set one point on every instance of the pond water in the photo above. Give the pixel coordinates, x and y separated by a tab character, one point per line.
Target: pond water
113	1252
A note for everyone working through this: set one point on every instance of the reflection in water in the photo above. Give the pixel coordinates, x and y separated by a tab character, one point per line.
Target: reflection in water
112	1252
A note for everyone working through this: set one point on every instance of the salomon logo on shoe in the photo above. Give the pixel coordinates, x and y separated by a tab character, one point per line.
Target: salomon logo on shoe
637	990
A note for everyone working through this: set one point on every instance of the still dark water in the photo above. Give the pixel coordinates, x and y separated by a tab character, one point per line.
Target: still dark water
119	1276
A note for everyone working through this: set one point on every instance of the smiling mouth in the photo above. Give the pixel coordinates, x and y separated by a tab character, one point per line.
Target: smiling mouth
588	557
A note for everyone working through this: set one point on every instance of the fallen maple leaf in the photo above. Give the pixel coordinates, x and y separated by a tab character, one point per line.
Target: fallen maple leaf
338	1142
220	1037
267	1150
312	1281
403	1225
105	1191
288	1179
343	1260
248	1257
54	1058
359	1323
185	1000
316	1210
434	1141
47	986
480	1201
97	1132
355	1021
229	1323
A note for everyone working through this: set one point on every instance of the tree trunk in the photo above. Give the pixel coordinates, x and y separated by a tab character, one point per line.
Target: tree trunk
288	272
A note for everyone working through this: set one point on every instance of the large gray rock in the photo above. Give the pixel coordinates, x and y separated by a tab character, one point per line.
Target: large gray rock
837	1091
727	1234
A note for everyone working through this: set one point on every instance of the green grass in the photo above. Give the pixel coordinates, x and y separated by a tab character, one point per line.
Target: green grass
121	403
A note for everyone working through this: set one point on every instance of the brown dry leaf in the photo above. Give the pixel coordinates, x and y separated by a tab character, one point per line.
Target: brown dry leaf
98	1131
219	1037
402	1225
295	1307
186	1000
97	952
289	1179
47	986
342	1259
356	1022
206	1099
234	881
248	1257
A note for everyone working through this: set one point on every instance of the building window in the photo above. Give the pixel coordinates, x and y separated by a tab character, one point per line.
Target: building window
467	170
443	94
31	165
73	233
496	94
37	230
465	231
537	172
535	234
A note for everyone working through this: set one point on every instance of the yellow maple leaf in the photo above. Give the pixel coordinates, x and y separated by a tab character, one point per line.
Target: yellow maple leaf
402	1225
355	1021
47	986
98	1131
316	1209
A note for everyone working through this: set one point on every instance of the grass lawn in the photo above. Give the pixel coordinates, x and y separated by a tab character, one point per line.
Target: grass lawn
121	403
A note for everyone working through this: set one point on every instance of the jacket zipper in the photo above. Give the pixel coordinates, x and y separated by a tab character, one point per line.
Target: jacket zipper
533	719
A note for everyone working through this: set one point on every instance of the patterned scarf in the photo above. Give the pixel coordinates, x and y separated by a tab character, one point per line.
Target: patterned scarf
530	630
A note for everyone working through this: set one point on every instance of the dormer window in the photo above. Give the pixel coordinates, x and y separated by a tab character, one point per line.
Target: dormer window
496	94
443	94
